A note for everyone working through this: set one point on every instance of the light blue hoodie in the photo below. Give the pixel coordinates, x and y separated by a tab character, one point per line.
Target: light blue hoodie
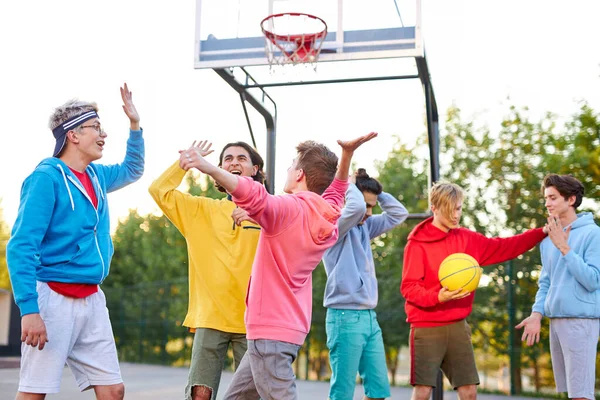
351	280
59	236
569	285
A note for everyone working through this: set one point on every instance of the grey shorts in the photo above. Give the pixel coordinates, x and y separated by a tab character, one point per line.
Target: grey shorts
573	344
265	372
80	335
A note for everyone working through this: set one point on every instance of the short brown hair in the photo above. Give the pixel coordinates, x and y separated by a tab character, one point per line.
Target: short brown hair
566	185
445	196
318	163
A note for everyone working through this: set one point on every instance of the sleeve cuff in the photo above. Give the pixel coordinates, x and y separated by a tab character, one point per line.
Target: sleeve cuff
136	134
29	306
538	310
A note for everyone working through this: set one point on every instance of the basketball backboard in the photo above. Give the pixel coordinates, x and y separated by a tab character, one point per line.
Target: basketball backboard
379	40
228	32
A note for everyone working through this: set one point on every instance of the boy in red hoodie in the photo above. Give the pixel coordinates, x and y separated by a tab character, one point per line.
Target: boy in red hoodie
297	228
440	336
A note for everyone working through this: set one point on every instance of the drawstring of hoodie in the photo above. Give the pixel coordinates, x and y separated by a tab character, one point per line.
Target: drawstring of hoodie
97	183
67	185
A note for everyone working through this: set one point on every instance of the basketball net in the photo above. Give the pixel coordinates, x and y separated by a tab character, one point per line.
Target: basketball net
293	39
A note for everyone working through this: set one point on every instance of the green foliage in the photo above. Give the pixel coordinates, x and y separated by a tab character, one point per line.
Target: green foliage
4	236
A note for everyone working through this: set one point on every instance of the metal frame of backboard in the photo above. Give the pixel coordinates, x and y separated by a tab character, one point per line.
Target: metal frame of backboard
229	57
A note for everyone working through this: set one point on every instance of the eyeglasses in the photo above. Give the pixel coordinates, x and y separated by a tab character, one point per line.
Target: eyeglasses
97	128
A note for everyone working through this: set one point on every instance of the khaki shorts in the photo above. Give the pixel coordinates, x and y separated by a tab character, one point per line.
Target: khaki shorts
447	347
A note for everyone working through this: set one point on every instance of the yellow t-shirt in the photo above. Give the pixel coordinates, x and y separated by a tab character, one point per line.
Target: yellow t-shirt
220	253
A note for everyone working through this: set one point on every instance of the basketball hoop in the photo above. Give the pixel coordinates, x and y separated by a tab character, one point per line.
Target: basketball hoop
293	38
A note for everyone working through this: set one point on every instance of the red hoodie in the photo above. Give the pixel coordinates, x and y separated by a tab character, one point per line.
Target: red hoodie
428	246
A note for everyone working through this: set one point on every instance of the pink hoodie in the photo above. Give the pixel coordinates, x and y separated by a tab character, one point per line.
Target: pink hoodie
296	231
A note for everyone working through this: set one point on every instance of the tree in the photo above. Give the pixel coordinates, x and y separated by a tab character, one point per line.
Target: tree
4	236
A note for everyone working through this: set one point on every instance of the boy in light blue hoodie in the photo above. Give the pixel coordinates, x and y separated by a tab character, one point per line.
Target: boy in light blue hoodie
60	251
353	334
569	288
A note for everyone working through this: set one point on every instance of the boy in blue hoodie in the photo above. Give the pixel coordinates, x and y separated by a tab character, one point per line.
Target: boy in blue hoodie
60	251
353	335
569	288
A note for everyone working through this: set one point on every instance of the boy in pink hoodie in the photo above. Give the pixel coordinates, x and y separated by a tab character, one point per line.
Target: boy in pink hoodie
297	228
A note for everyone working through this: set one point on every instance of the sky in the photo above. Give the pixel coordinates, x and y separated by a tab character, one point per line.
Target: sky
483	56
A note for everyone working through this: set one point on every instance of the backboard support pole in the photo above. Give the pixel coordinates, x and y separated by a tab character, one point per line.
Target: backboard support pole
433	136
270	120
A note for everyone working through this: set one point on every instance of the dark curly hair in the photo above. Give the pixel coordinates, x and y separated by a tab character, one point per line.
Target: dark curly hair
254	157
365	183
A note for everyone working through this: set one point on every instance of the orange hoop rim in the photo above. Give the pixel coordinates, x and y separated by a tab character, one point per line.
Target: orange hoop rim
307	37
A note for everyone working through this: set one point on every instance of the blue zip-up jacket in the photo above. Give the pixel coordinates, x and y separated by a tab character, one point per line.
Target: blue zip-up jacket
59	236
569	285
351	280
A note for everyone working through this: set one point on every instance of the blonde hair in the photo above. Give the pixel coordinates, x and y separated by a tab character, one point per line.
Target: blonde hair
445	196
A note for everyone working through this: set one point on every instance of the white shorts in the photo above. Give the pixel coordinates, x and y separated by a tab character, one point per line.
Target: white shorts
573	344
80	335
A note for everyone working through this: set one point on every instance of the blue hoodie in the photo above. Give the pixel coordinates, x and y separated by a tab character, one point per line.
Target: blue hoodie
569	285
351	280
59	236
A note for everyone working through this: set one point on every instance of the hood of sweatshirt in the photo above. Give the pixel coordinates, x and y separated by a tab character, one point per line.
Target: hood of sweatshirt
582	220
323	216
427	232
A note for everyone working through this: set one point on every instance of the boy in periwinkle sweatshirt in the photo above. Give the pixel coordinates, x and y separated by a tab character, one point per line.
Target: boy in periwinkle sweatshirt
297	228
569	288
354	337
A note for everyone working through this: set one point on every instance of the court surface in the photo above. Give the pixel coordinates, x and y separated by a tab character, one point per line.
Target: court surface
165	383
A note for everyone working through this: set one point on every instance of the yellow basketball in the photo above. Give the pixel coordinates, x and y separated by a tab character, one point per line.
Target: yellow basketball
460	270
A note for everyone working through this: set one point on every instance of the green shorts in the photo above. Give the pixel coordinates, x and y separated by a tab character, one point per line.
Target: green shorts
208	357
447	347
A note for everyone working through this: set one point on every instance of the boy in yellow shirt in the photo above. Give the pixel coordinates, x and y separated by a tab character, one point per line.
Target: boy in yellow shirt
221	242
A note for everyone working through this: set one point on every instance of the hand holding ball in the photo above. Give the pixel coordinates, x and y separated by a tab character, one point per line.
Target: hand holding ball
460	270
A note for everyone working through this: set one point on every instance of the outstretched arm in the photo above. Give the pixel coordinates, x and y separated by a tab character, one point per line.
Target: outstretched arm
334	194
490	251
129	108
131	169
173	203
348	148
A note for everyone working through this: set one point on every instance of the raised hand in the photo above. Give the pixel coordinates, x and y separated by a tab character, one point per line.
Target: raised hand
558	236
193	157
352	145
532	325
129	107
348	147
203	148
33	331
